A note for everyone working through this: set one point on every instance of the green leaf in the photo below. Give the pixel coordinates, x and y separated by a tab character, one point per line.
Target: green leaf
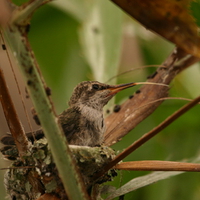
141	181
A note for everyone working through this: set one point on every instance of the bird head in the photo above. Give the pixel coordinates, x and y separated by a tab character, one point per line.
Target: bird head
95	94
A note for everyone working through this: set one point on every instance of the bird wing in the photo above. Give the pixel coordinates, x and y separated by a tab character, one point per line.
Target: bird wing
70	122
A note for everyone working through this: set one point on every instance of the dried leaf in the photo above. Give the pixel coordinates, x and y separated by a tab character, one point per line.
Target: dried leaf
170	19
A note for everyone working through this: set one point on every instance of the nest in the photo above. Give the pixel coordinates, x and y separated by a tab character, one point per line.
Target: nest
36	174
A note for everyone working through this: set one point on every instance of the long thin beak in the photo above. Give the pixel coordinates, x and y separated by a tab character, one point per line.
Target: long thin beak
117	88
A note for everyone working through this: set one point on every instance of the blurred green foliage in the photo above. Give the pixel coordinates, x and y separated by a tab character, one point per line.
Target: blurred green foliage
54	39
195	7
56	36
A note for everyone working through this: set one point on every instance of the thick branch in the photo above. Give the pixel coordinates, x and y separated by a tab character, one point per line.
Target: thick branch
135	110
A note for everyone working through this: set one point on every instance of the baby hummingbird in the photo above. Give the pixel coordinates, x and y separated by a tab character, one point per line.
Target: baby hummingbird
83	122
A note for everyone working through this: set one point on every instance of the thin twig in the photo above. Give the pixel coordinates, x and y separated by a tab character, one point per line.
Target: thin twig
134	69
158	165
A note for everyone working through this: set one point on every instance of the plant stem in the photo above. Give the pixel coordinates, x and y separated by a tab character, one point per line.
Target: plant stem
16	36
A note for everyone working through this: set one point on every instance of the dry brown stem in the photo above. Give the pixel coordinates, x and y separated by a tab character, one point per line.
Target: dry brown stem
148	136
157	165
13	121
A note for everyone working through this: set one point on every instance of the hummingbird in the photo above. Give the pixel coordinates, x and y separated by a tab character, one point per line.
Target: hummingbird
83	122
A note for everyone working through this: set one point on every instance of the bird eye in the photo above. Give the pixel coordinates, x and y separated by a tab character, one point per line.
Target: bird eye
95	86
